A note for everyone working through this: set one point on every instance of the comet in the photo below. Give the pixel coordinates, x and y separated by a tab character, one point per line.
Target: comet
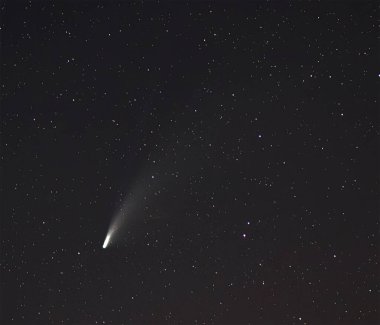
130	208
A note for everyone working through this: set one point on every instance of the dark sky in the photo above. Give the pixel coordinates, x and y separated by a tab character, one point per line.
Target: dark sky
243	139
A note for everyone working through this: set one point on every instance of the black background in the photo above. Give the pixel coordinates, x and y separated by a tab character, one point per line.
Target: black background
245	136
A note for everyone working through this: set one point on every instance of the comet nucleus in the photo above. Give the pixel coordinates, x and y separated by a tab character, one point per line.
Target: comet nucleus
106	241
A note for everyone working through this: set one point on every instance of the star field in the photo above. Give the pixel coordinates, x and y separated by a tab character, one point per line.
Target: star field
236	143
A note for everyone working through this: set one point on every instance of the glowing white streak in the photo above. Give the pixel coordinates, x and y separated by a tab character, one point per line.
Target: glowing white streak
106	241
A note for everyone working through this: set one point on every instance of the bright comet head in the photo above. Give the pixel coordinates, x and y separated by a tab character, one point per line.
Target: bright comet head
106	241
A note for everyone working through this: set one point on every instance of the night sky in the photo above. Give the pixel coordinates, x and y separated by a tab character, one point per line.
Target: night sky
230	149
